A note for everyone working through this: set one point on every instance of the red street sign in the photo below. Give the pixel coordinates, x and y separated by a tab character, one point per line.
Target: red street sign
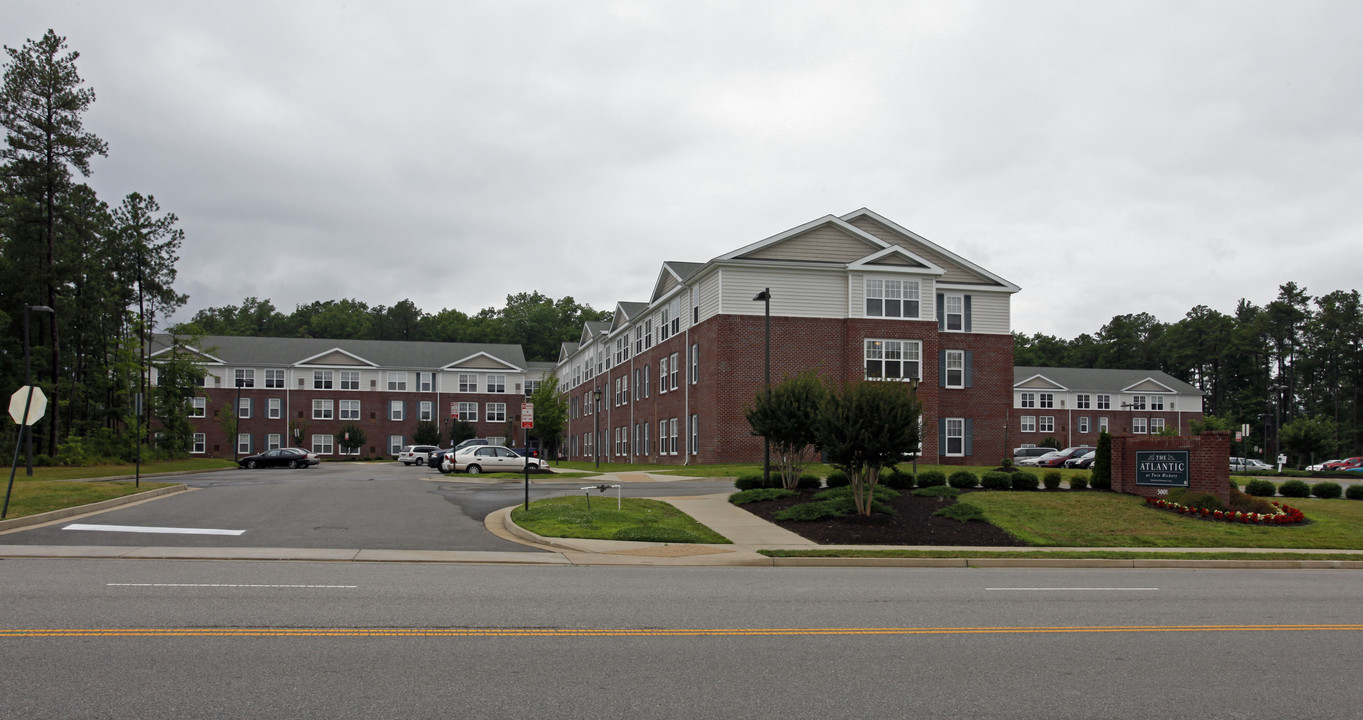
527	424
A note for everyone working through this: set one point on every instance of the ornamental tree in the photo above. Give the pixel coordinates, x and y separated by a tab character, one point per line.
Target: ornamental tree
787	415
866	427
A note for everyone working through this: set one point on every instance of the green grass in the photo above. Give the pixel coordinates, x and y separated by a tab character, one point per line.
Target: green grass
1099	519
34	496
638	519
94	472
1065	554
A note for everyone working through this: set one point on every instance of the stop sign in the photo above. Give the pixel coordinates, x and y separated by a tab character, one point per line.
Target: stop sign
36	408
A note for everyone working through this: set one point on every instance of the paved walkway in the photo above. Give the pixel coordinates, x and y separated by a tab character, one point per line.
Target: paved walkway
748	534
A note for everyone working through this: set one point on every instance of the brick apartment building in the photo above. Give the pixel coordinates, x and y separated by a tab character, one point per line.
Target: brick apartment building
852	297
1074	405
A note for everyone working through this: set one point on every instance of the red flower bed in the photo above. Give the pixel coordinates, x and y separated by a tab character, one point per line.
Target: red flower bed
1285	515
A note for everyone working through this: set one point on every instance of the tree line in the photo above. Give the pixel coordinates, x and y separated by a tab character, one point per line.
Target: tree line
1292	365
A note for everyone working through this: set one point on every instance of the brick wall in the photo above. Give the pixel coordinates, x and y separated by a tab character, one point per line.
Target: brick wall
1208	459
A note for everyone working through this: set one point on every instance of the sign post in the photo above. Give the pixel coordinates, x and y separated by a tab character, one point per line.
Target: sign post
31	410
527	422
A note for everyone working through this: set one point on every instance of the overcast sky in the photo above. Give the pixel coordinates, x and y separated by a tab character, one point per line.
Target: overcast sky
1108	157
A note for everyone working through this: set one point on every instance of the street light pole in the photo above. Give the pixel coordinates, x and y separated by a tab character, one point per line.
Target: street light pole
596	426
918	422
236	424
765	297
28	378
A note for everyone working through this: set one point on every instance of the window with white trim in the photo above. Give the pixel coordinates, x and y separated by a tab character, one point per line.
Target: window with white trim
245	378
243	408
1157	403
1156	425
324	444
672	437
662	375
531	387
274	441
322	409
1027	400
1138	426
648	333
244	443
468	382
695	363
955	368
1083	424
350	379
395	443
646	383
1081	401
644	447
496	383
662	437
397	381
350	410
274	408
200	443
321	380
396	409
425	382
1104	402
954	312
893	359
496	412
892	298
624	389
695	435
426	411
665	324
274	378
1027	424
955	440
672	378
1102	424
468	411
1047	424
198	407
1137	402
1046	400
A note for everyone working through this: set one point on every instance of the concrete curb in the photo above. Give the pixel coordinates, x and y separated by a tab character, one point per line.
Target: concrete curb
101	506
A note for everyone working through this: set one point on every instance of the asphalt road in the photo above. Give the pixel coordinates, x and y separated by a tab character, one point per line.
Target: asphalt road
155	639
334	505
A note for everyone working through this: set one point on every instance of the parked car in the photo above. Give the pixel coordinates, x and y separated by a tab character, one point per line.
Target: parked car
1239	464
488	458
1059	458
1345	464
1320	465
1035	461
415	454
280	457
1023	453
1082	461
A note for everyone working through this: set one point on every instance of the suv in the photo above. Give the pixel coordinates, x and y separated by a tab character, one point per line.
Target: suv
410	454
1030	452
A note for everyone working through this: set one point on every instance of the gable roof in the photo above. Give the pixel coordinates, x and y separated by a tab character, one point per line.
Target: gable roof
827	240
1106	380
958	269
283	352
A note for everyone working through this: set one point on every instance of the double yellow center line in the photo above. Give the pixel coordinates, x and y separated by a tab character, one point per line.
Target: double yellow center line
641	632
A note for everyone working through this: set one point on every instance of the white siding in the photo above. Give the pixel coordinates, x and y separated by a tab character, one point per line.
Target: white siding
709	296
989	313
795	293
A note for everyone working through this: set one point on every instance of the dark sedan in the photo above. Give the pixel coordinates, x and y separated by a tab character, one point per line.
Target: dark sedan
280	457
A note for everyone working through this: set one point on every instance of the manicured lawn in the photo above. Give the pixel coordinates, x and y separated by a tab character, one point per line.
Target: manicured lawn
94	472
1101	519
573	516
1066	554
32	496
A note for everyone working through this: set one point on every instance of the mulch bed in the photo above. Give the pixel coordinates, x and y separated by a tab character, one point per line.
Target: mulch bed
915	524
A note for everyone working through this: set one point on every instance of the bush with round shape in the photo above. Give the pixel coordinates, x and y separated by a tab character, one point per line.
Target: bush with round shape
1294	489
962	512
937	491
1261	488
1354	492
1327	490
1025	481
995	480
808	482
1100	483
837	478
749	482
963	480
1051	479
931	478
897	479
1079	482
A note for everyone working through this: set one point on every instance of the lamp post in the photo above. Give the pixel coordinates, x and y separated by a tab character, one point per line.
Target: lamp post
596	426
28	380
1277	422
917	421
236	423
765	298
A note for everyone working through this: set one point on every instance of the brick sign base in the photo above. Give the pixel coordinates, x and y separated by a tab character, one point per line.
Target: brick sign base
1208	462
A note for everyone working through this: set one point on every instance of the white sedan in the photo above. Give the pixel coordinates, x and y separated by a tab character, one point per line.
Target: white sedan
488	458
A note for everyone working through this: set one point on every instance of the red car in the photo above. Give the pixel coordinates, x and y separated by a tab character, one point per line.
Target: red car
1344	464
1064	455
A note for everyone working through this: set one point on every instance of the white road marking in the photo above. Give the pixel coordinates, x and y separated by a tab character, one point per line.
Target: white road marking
1070	589
163	530
224	585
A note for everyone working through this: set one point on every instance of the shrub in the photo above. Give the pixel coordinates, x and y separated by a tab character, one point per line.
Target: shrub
839	493
1051	479
1295	489
1355	492
964	512
760	494
963	479
1196	500
937	491
1007	464
750	482
835	507
995	480
808	482
837	478
1079	482
1327	490
1024	481
897	479
1100	483
1261	488
932	478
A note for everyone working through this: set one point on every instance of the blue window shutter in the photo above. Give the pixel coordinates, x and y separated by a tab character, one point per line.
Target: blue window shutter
941	435
941	368
967	313
941	312
969	366
969	435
